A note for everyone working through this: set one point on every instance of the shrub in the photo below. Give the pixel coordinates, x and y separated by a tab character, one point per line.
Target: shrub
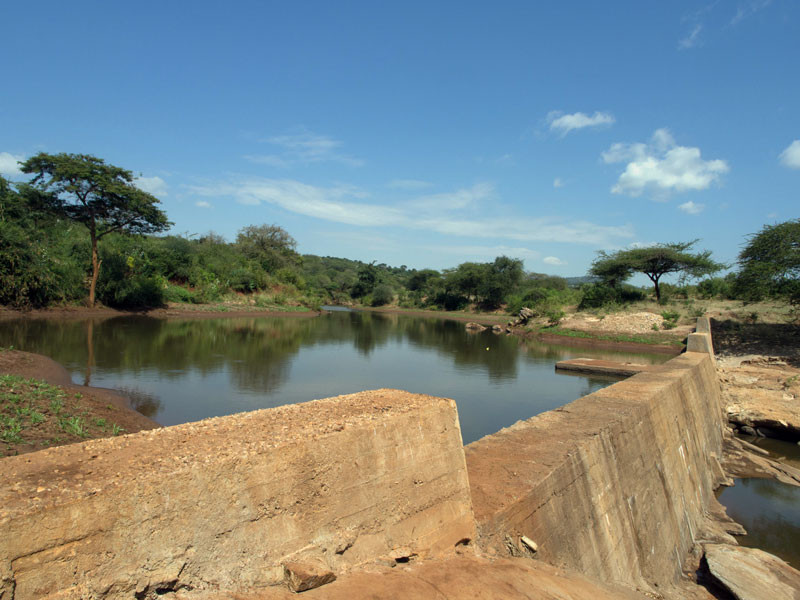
381	295
597	295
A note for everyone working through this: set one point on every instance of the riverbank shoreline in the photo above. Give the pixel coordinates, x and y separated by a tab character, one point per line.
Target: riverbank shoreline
95	412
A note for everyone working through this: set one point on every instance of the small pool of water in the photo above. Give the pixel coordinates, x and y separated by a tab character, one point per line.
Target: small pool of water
768	510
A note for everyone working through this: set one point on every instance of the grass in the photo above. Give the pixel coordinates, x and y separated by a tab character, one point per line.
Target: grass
35	413
650	339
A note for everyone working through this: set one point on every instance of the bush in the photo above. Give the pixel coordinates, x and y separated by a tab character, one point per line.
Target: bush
381	295
177	293
597	295
715	287
136	291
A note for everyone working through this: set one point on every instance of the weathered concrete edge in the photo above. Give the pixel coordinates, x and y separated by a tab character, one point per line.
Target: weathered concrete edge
625	495
386	480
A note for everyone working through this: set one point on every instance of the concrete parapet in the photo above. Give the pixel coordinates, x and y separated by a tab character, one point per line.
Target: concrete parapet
226	502
700	342
614	485
703	325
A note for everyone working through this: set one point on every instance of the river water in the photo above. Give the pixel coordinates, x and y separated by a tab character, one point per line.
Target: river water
768	510
185	370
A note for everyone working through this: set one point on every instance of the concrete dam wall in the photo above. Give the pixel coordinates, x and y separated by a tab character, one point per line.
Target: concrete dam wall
614	485
226	502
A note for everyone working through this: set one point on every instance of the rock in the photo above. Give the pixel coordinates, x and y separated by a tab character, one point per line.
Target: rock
529	543
747	430
752	574
306	576
475	327
497	329
525	314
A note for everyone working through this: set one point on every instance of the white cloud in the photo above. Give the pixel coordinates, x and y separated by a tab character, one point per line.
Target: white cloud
467	198
662	167
557	183
553	260
690	208
453	213
304	148
746	9
791	156
203	204
152	185
692	39
8	164
563	124
409	184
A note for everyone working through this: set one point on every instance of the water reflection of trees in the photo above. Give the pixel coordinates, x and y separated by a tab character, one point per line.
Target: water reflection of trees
258	351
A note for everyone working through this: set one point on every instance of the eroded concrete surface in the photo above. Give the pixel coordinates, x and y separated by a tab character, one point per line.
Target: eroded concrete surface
614	491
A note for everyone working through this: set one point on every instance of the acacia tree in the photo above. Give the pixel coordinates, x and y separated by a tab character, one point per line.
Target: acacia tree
85	189
770	264
655	262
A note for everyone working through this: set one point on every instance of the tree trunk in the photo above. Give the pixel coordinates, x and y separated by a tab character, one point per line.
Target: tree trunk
95	270
658	291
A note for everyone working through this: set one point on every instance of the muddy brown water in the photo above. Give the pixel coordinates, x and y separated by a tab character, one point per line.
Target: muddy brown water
185	370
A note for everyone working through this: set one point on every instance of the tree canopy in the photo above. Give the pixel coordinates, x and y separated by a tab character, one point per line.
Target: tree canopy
770	264
655	262
103	197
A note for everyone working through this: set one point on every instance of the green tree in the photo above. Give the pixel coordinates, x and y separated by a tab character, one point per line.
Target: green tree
270	245
655	262
770	264
85	189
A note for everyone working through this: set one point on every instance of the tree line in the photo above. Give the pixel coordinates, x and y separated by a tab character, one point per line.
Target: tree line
81	231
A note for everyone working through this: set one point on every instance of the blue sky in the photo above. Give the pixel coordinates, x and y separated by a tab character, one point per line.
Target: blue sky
425	133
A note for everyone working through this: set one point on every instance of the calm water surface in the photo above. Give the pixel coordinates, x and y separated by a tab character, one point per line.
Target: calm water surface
768	509
186	370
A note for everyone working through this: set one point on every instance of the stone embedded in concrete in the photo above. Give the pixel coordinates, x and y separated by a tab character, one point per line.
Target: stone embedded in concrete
752	574
301	577
614	485
227	502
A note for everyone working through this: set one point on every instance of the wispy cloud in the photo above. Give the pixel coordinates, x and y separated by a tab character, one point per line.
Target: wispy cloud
790	157
748	9
557	183
692	39
692	208
662	167
203	204
554	261
303	148
8	164
152	185
563	124
466	212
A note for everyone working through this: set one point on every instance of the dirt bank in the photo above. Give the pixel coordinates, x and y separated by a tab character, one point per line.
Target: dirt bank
66	413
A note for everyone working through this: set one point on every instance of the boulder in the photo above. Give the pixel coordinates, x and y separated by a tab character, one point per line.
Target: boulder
475	327
752	574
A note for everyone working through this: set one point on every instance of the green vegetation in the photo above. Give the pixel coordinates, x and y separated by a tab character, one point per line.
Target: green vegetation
102	197
50	229
770	264
655	262
651	339
34	413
